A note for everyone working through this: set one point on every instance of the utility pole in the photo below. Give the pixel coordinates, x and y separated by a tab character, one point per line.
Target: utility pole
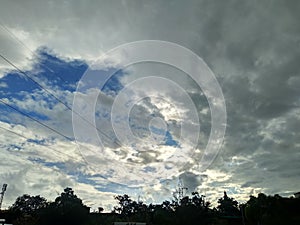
2	194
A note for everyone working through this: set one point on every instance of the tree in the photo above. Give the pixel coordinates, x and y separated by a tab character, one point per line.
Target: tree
28	205
255	208
68	199
193	210
26	209
168	206
271	210
67	209
199	201
228	206
125	207
163	213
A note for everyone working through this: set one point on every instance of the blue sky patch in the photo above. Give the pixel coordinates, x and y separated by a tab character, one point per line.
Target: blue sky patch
60	72
113	86
169	140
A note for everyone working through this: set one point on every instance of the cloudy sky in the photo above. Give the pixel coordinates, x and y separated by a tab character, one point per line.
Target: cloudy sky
71	116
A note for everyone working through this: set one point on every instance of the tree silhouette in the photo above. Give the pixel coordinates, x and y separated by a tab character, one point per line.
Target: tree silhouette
27	204
67	209
26	209
228	206
125	207
193	210
272	210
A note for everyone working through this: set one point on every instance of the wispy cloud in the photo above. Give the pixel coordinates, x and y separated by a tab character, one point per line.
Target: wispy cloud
252	47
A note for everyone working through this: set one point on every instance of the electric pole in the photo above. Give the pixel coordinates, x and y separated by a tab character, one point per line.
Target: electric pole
2	194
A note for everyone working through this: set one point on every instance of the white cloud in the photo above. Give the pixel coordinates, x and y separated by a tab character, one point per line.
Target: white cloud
251	46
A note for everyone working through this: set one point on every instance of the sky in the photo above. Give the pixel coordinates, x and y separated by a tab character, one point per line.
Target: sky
81	109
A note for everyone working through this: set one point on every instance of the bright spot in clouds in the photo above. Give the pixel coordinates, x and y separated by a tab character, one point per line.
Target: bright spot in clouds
252	48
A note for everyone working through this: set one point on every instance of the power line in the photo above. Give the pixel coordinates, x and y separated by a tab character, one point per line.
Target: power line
22	43
14	36
34	81
42	124
60	101
38	164
46	146
32	118
31	51
23	136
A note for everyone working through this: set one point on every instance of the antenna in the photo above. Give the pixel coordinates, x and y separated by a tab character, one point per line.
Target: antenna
2	194
180	192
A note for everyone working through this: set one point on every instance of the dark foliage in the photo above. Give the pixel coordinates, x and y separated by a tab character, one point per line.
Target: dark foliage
26	209
228	206
28	205
269	210
68	209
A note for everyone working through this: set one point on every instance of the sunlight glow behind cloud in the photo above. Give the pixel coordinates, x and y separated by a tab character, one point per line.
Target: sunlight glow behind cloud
252	47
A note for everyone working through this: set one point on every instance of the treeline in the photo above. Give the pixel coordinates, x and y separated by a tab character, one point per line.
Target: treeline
68	209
